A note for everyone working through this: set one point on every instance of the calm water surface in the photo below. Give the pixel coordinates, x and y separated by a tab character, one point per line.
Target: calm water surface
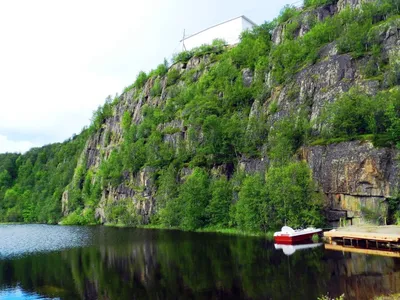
42	262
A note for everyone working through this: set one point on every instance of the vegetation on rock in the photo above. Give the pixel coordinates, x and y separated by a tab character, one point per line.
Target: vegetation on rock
170	151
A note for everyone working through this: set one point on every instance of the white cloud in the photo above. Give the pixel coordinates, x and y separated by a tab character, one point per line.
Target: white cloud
7	145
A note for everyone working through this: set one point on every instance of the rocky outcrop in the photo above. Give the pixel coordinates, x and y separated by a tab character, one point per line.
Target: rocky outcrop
64	203
315	86
139	191
247	77
253	165
356	178
307	17
350	3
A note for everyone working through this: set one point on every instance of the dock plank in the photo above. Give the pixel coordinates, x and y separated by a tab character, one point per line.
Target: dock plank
375	233
362	250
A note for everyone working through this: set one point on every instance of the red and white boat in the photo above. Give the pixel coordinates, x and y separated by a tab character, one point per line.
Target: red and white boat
288	235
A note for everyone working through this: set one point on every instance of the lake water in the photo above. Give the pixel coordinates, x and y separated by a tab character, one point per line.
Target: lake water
41	262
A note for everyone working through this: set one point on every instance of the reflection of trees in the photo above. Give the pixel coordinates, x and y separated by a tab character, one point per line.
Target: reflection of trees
164	264
362	276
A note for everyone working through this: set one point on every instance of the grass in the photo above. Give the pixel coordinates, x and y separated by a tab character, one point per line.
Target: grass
234	231
329	141
388	297
327	297
118	225
11	223
229	231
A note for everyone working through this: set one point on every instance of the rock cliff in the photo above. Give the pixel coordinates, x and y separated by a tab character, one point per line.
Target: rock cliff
355	178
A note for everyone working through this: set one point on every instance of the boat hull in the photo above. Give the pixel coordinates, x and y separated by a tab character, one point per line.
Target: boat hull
288	239
290	236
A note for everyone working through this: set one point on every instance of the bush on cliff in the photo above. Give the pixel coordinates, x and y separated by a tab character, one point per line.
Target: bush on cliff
357	113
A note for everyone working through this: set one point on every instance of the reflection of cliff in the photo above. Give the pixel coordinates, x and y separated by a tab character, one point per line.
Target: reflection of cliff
362	276
169	265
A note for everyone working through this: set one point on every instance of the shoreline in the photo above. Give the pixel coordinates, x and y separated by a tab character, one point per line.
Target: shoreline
226	231
269	235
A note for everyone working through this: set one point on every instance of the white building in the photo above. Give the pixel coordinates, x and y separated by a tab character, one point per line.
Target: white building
229	31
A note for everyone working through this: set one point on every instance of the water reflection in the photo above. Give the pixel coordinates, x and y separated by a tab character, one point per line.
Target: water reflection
17	293
291	249
153	264
24	239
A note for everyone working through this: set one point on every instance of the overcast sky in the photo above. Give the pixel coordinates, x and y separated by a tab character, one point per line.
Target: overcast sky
59	60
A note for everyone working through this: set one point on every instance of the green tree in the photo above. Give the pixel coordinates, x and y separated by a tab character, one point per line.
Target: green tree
221	199
252	203
194	198
167	186
292	199
286	136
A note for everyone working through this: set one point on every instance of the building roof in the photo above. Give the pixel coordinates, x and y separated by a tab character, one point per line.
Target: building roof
243	17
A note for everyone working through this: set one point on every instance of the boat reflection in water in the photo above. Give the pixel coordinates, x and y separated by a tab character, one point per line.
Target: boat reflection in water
290	249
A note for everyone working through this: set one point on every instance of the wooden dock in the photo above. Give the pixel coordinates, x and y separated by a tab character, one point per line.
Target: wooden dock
363	250
377	237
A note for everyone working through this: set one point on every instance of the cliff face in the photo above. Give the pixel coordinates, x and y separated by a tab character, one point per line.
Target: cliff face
193	145
355	178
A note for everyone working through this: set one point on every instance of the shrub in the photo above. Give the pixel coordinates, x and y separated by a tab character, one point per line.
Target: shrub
286	136
126	121
354	39
111	169
356	113
101	114
316	3
216	46
160	71
123	212
291	28
351	114
140	80
183	57
288	12
253	47
393	74
172	76
156	89
76	218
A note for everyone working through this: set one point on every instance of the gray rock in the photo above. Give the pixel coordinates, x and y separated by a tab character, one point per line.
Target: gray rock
247	77
355	176
253	165
335	215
